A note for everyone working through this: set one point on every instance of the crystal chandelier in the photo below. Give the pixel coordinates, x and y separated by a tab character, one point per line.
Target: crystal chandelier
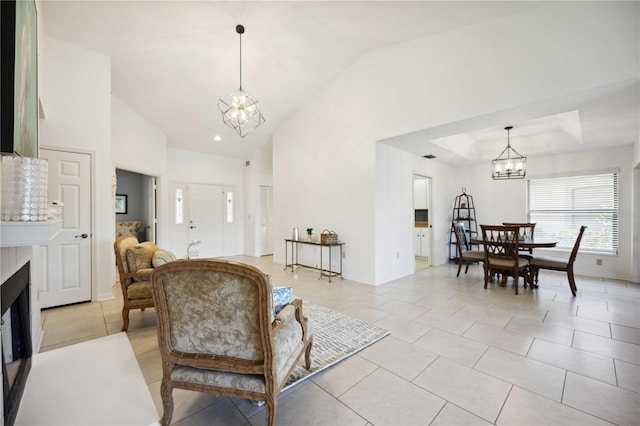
240	110
509	164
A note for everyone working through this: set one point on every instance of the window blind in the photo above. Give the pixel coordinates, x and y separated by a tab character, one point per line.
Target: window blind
559	206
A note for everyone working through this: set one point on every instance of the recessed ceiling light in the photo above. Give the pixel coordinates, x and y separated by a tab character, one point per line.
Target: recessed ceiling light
217	138
429	156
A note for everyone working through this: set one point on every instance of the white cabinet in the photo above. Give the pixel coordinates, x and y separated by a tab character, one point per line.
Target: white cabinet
422	242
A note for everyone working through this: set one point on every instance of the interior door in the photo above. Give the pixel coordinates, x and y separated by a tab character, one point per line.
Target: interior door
266	220
68	255
206	220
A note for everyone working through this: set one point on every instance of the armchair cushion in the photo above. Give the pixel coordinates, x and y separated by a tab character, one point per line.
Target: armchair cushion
140	289
281	297
160	257
139	257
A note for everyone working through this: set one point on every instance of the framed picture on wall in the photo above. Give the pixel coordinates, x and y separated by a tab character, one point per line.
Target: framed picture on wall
121	204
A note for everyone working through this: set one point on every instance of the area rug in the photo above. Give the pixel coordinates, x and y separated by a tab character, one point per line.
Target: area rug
335	337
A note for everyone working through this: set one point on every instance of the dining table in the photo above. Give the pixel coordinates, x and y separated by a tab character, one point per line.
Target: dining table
526	243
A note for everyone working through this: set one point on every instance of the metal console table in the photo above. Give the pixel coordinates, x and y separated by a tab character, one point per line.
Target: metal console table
294	257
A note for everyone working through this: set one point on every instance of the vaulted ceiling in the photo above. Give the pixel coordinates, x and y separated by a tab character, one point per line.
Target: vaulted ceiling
172	60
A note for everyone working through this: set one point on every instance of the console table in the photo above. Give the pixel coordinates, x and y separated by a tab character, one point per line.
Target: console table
294	257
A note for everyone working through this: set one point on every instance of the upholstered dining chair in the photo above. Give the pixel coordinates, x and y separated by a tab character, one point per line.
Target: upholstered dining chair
501	254
465	255
134	268
217	335
559	264
526	231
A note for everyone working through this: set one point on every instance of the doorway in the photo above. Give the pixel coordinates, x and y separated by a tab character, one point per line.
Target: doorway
139	191
422	221
204	221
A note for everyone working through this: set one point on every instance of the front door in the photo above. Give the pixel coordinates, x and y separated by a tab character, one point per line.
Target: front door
68	256
206	219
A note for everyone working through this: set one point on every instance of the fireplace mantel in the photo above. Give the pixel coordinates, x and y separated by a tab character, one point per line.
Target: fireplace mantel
21	234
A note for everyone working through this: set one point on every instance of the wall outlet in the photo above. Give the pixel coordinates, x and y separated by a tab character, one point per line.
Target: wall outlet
344	254
398	255
599	262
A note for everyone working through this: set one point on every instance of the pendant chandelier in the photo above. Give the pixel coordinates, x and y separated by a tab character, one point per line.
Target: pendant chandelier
240	110
509	164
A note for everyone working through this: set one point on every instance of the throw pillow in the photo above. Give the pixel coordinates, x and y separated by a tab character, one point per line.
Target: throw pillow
281	298
138	257
160	257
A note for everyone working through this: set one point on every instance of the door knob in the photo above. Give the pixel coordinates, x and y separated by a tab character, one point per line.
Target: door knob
82	236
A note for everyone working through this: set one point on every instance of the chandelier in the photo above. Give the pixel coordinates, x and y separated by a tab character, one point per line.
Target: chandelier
240	110
509	164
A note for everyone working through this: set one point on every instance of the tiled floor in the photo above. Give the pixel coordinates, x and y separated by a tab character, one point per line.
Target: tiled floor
457	355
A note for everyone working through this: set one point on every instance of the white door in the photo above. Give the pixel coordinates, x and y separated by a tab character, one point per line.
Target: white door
266	220
205	220
150	207
68	255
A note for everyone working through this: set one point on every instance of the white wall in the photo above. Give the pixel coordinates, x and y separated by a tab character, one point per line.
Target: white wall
193	167
258	173
75	91
395	215
327	173
506	201
140	147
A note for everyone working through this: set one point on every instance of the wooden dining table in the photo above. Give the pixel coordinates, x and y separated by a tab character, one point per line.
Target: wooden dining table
527	243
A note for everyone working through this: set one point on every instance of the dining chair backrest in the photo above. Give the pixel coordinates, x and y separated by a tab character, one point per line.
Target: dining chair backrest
461	237
526	231
500	241
576	246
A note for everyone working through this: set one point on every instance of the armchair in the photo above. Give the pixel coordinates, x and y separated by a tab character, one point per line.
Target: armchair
135	284
216	333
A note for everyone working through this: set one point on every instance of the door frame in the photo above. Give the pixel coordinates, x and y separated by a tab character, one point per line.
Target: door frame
93	217
429	180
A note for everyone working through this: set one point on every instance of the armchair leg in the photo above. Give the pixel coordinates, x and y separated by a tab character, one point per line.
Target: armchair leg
459	267
166	393
307	355
271	404
125	318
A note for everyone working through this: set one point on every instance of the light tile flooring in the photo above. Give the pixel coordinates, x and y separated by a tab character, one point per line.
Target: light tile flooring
457	354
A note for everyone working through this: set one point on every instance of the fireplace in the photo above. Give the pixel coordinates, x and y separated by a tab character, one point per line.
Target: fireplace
16	340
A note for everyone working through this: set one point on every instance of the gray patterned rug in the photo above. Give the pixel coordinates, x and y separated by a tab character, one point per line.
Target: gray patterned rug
335	337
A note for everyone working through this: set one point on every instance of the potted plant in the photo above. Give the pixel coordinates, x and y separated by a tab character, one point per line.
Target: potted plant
309	233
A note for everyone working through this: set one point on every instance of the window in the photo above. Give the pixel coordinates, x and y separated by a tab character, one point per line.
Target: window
559	206
229	207
179	206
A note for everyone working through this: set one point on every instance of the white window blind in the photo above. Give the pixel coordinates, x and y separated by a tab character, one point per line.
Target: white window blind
559	206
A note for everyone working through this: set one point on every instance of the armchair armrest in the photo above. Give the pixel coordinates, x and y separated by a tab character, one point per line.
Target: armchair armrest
291	312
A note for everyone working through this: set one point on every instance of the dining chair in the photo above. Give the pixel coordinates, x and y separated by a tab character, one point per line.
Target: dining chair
501	254
526	231
465	255
558	264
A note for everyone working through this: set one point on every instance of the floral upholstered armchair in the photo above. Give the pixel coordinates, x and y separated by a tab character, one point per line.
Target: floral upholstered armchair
129	228
217	334
135	261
